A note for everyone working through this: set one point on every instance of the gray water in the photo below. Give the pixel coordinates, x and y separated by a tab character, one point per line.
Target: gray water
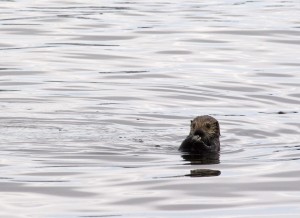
96	97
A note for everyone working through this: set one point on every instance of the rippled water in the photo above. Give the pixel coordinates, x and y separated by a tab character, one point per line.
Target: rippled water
96	97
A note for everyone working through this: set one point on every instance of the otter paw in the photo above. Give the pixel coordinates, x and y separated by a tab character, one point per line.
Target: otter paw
196	138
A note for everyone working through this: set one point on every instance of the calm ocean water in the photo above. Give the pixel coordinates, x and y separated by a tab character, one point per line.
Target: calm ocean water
96	97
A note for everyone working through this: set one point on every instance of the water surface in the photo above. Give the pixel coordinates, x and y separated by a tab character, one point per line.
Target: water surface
96	97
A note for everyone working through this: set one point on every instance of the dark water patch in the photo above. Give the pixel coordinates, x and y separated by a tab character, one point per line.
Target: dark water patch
253	133
83	7
283	174
276	99
51	174
25	31
71	89
198	98
159	116
140	76
286	131
274	75
83	44
45	190
18	83
3	69
137	200
162	32
5	178
189	207
121	72
296	95
91	216
257	32
290	84
235	88
24	18
63	166
24	48
9	72
243	2
202	18
8	90
99	57
120	158
205	41
3	45
294	124
40	181
74	16
203	189
134	122
228	115
25	100
20	24
218	61
174	52
145	27
119	98
104	38
280	112
227	96
290	64
270	186
177	90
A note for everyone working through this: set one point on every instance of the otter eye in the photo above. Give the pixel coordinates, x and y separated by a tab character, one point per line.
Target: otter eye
207	125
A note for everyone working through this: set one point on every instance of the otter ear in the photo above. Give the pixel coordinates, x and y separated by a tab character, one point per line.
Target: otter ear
191	122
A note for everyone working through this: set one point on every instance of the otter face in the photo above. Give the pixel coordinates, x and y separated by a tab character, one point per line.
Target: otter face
204	129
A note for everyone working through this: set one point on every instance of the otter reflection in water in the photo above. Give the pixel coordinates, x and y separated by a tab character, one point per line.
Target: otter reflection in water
201	159
204	136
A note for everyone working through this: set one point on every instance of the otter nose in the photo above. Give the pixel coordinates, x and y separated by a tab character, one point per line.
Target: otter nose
199	132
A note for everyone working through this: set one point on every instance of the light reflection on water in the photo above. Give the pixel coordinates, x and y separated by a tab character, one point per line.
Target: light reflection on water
97	97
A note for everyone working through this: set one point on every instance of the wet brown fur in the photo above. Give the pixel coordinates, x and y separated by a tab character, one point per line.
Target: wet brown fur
204	135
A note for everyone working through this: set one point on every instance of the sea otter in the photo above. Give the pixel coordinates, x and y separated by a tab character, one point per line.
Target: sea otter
204	136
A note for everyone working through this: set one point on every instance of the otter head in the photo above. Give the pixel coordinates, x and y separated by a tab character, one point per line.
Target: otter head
204	129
